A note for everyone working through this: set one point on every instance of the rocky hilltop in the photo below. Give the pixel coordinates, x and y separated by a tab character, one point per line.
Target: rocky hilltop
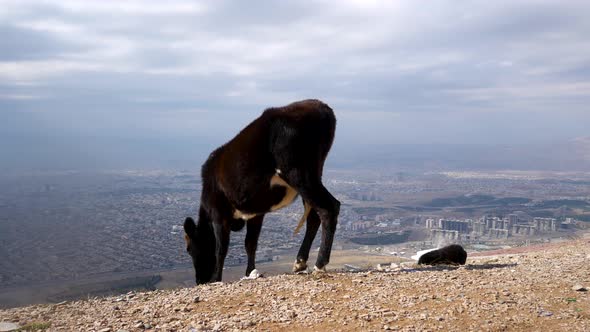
535	289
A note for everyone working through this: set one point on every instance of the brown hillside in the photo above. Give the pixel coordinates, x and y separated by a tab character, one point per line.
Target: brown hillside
531	291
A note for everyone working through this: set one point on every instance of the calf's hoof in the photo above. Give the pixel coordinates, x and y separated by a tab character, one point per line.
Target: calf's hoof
299	265
318	270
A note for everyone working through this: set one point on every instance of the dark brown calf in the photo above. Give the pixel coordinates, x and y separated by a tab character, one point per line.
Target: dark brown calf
276	157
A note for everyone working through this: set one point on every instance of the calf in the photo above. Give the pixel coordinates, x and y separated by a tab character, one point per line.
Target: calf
278	156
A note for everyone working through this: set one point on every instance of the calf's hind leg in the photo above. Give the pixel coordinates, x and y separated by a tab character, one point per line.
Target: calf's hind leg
311	229
328	209
325	205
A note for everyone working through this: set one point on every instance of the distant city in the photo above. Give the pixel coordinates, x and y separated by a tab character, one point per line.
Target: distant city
493	227
64	226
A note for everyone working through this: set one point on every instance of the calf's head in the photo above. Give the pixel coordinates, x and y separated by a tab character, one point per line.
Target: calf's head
200	244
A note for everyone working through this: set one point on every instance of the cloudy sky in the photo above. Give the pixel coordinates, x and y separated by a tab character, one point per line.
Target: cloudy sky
93	76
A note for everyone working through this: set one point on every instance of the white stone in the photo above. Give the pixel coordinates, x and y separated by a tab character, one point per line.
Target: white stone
580	288
7	326
255	274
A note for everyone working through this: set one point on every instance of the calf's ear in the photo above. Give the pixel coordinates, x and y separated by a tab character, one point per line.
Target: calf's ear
189	226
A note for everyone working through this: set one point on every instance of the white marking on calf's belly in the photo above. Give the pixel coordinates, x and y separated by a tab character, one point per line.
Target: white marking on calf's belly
242	215
290	192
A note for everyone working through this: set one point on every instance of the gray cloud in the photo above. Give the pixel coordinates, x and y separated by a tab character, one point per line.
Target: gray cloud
398	71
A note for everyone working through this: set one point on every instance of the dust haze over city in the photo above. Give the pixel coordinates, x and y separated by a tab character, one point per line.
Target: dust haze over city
457	122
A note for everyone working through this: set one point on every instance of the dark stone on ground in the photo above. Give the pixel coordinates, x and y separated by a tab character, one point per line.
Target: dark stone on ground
449	255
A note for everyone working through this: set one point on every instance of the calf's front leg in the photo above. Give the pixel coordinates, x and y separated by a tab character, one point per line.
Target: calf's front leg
252	234
221	231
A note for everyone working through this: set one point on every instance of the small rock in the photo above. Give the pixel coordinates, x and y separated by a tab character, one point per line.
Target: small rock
580	288
544	313
255	274
7	326
196	299
106	329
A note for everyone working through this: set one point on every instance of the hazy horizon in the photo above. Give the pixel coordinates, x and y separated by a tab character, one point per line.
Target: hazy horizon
188	155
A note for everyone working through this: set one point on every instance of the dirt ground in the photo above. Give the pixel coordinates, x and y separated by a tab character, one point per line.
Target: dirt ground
536	290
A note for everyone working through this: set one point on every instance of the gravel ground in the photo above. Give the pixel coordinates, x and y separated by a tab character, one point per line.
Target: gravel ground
531	291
